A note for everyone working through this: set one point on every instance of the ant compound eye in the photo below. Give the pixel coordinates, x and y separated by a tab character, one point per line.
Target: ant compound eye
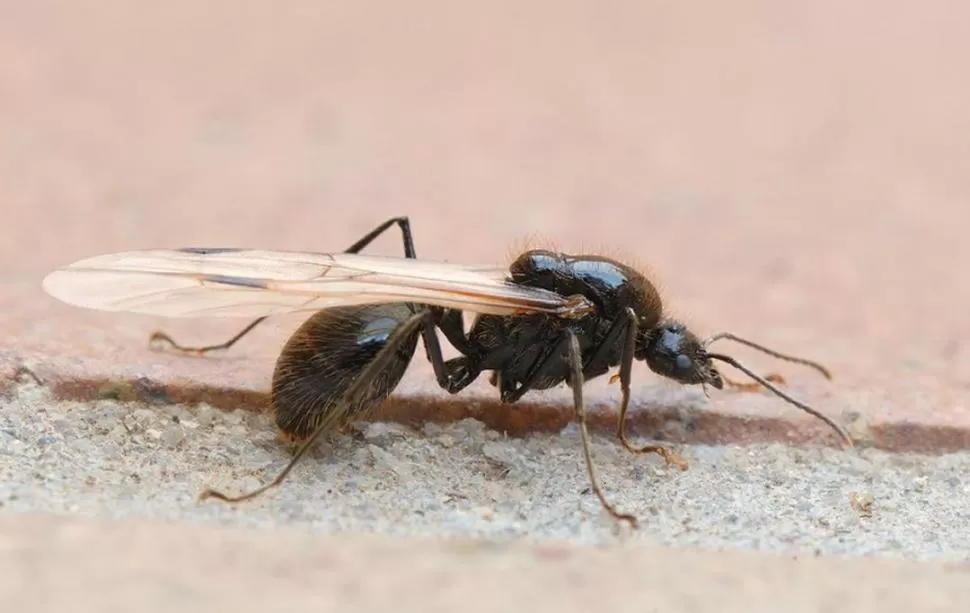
683	362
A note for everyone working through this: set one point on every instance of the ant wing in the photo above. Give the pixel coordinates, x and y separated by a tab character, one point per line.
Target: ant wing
255	283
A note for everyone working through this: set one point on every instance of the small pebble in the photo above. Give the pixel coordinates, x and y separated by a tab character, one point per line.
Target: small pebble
139	420
500	454
470	427
446	440
118	390
233	418
173	435
431	429
206	414
384	433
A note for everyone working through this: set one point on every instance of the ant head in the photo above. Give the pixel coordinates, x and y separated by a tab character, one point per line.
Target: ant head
673	351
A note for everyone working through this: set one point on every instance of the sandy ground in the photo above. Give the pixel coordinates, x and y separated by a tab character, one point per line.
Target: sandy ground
124	460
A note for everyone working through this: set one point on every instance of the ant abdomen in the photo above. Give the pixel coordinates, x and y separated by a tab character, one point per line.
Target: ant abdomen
323	358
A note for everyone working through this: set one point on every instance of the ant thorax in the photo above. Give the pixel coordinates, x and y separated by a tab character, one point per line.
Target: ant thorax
610	285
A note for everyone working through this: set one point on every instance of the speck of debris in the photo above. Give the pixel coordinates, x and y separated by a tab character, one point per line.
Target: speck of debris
862	503
117	390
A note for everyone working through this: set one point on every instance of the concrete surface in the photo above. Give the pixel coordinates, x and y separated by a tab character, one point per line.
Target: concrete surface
196	568
125	461
796	173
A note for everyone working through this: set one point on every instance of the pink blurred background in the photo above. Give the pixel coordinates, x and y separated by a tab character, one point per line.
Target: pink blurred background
797	172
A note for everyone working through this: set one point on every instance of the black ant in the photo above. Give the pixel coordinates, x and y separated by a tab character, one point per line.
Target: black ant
550	318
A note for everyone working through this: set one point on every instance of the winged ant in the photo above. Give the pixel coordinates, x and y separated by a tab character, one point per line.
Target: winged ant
550	318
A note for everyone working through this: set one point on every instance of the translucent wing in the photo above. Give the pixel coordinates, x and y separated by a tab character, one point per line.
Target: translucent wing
256	283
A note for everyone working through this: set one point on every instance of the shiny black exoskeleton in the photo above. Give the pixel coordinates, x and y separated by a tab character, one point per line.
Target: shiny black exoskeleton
334	347
530	352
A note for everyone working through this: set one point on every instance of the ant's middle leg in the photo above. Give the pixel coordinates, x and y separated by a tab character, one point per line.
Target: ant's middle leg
403	222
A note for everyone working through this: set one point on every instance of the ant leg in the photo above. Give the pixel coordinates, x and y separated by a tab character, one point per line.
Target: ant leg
452	325
449	321
576	366
752	387
544	363
597	364
403	222
453	375
357	389
626	370
161	337
569	344
540	369
450	378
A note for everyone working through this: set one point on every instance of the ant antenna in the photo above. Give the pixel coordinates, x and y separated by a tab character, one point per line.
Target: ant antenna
733	362
781	356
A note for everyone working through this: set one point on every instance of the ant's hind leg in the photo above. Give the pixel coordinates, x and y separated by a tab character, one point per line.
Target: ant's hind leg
404	223
354	393
161	337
